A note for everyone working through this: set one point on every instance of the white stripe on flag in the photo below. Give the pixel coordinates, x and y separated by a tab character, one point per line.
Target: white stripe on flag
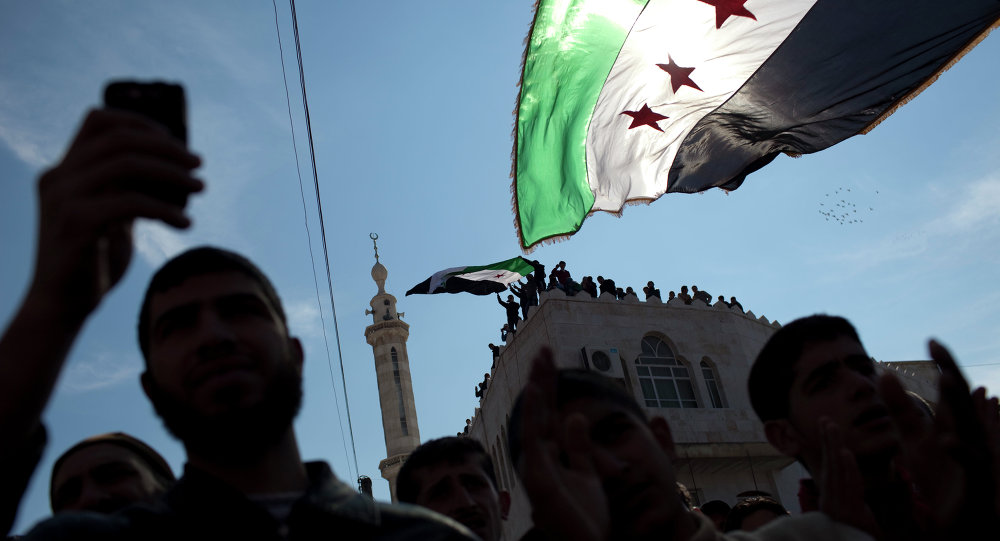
439	277
625	164
502	276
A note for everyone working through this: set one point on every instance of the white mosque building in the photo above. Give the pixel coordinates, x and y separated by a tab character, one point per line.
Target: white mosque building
688	363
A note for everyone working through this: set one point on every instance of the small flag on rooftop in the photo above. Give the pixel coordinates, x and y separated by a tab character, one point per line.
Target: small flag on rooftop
622	101
478	280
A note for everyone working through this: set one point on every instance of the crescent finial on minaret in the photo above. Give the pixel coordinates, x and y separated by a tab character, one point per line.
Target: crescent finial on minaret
379	273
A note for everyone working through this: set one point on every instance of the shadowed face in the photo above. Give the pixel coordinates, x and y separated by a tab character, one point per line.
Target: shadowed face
633	459
836	379
102	477
464	492
223	372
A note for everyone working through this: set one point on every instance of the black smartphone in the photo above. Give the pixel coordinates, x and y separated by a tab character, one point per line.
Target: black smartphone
157	100
161	102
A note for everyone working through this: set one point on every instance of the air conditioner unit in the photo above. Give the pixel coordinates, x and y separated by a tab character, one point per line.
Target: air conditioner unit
604	360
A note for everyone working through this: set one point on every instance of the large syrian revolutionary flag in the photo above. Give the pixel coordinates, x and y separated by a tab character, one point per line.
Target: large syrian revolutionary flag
481	280
622	101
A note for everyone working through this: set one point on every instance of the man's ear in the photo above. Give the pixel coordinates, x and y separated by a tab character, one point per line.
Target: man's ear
783	436
504	504
298	356
661	431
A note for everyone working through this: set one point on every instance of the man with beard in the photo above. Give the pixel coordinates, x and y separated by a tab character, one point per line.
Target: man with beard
455	477
221	367
226	378
596	468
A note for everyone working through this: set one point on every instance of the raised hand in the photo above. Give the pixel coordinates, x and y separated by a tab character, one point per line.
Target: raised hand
953	460
119	167
556	466
842	496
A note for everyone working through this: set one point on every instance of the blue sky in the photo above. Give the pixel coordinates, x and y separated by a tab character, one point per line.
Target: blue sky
411	110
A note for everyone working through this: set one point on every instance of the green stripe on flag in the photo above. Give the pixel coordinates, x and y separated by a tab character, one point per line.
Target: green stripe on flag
515	264
571	49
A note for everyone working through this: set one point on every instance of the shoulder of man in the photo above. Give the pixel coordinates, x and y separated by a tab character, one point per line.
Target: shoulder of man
405	521
79	525
328	505
814	526
360	517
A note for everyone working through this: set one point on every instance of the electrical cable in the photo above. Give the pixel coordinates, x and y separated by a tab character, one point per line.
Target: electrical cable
322	227
312	259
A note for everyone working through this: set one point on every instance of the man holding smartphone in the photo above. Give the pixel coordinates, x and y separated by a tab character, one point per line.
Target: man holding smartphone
217	349
87	205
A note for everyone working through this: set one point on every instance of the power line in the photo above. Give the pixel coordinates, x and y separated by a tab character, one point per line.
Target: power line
322	227
312	260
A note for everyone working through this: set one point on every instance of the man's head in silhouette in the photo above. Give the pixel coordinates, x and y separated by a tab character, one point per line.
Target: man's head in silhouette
107	472
221	368
812	369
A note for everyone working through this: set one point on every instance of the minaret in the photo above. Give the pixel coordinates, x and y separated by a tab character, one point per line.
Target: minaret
387	335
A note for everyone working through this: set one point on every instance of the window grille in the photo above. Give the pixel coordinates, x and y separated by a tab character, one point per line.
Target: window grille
665	381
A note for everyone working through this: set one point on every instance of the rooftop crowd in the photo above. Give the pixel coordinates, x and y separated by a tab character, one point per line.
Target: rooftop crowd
527	294
225	376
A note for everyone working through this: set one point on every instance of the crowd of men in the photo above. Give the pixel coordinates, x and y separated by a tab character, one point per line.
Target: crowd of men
527	293
225	376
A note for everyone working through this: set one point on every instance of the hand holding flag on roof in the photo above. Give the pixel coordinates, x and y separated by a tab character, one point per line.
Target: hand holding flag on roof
622	101
478	280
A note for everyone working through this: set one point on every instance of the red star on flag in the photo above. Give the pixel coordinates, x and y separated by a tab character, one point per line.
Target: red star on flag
728	8
644	117
499	275
678	76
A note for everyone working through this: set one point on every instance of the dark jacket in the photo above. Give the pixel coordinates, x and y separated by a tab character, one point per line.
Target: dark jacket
203	507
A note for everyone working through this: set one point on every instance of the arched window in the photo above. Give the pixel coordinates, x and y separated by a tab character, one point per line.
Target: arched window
399	391
665	381
713	385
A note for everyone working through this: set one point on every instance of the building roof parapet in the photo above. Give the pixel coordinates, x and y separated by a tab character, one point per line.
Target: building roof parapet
907	367
676	302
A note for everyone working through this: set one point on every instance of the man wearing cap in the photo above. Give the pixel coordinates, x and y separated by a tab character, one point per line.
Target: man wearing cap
107	472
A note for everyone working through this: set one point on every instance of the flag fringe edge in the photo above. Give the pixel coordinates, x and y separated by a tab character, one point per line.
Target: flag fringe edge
634	202
561	237
513	151
932	79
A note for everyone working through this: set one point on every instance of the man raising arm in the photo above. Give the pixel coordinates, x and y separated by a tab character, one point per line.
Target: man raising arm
87	205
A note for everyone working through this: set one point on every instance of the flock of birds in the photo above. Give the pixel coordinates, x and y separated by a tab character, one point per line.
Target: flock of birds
839	208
